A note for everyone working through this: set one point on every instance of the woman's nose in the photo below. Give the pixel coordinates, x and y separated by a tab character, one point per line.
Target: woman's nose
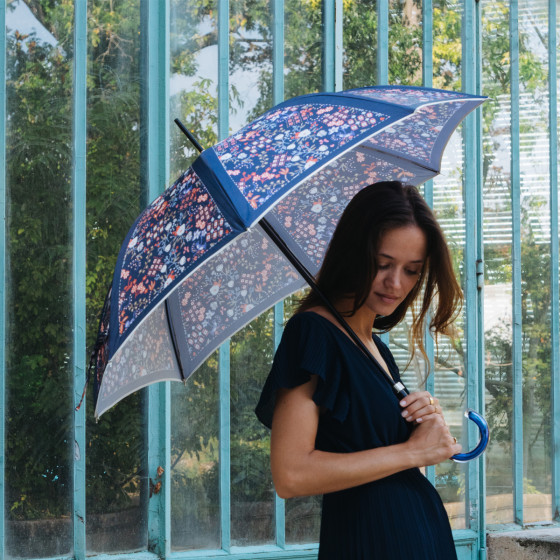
394	279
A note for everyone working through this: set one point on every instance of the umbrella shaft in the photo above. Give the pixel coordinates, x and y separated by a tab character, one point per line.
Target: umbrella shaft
398	388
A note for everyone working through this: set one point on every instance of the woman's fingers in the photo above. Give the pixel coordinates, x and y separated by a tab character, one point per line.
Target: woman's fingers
433	441
417	406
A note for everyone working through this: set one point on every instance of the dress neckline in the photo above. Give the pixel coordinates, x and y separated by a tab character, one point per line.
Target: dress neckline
376	340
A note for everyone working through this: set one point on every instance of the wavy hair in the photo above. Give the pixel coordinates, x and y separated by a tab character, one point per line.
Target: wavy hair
350	263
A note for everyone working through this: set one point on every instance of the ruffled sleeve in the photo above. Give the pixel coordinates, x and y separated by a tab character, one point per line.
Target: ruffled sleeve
307	348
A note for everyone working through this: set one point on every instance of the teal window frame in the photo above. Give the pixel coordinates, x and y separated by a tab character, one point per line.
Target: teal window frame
471	542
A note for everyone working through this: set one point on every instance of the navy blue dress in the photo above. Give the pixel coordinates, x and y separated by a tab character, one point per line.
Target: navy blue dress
398	517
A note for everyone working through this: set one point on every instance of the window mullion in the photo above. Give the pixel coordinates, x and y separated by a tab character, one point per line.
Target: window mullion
79	272
554	280
2	272
328	45
225	446
479	266
427	80
278	97
155	103
382	42
279	503
468	79
516	268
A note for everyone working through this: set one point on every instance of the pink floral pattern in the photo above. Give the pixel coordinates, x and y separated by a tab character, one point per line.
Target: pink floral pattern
171	235
223	295
415	137
284	143
407	96
309	215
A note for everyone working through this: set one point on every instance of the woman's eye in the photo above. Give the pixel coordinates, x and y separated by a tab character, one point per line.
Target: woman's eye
413	272
382	266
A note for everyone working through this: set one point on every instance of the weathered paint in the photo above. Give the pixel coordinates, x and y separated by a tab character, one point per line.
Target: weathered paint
155	150
516	268
554	281
79	116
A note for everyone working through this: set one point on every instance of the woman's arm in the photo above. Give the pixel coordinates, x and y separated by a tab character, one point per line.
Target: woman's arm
298	469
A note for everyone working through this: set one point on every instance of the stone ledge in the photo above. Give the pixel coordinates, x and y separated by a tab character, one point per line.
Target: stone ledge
532	544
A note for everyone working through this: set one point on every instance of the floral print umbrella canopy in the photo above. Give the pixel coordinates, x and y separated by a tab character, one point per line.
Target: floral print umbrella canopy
196	266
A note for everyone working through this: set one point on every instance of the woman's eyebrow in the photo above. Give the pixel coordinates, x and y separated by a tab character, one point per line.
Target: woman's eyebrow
393	258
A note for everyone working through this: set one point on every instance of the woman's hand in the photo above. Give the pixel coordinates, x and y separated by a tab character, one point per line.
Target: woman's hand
420	405
431	441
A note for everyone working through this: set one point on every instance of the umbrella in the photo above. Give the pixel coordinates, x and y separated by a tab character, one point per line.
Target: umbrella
249	222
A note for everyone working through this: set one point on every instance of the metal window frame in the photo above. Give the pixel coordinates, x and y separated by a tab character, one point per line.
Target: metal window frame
155	27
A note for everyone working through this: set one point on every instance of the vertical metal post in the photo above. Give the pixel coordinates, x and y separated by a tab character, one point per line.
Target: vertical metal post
470	175
554	281
328	45
338	45
224	352
278	52
427	43
480	281
280	503
516	268
79	272
427	80
223	69
383	64
278	97
2	276
155	139
225	467
382	42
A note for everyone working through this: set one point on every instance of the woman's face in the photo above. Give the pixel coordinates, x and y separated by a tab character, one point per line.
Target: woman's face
400	259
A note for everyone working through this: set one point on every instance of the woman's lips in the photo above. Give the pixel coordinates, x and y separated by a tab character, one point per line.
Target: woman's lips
387	298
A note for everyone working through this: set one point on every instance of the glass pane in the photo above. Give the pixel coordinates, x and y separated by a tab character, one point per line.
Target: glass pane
405	38
193	78
498	328
360	44
195	466
250	72
116	488
303	44
39	414
303	515
449	360
448	205
252	496
447	19
535	261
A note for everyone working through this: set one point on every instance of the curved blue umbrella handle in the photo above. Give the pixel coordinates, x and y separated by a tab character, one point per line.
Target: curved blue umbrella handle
484	437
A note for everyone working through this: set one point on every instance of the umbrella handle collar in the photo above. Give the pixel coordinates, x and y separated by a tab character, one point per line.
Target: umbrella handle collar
483	441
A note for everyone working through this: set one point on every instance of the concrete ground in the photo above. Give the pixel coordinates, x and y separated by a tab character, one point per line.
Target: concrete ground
534	544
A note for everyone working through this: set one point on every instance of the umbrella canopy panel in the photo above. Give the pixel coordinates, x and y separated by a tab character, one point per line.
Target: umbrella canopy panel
198	246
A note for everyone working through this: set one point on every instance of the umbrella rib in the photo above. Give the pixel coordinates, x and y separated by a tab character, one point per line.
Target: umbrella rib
398	388
174	339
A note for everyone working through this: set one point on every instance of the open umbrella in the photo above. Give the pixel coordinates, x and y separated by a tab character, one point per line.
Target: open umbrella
248	224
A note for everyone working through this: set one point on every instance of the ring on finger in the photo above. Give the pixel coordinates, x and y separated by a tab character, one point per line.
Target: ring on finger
454	440
431	401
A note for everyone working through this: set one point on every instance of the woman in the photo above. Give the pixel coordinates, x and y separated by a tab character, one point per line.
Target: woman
337	428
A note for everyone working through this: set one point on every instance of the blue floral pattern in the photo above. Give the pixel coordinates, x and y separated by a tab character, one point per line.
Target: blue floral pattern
277	147
172	234
415	137
407	96
168	249
309	215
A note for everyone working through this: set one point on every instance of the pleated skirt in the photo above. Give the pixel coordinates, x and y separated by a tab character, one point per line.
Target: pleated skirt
398	517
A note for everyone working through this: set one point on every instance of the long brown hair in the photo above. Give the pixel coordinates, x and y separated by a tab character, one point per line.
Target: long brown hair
350	265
